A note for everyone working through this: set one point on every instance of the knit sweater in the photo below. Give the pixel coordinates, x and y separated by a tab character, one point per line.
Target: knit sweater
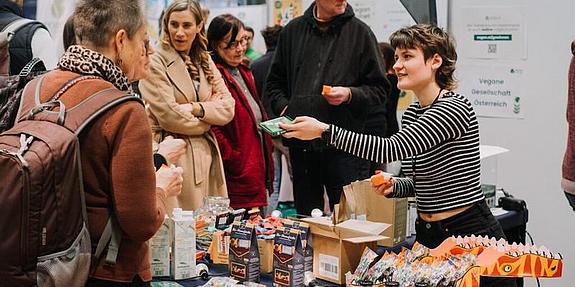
439	149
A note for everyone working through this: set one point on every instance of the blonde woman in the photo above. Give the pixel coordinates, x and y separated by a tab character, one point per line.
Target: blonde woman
185	96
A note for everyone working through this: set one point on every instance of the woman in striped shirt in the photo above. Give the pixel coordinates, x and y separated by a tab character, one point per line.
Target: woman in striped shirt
438	143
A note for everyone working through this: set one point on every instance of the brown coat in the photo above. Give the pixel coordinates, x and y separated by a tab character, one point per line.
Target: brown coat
170	85
119	175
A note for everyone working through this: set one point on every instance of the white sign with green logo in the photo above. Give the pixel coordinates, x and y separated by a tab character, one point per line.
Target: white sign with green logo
494	90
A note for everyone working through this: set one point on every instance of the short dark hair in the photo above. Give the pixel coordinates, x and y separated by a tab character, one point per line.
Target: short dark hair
220	27
249	29
68	35
95	21
432	40
388	54
271	35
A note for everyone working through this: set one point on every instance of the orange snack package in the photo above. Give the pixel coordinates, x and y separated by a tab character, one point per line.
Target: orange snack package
380	178
326	89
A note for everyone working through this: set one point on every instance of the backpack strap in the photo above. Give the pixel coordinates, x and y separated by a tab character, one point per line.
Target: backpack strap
111	236
11	29
30	99
31	107
35	65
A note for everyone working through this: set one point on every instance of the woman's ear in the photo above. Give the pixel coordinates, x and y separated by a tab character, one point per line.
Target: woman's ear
436	61
120	39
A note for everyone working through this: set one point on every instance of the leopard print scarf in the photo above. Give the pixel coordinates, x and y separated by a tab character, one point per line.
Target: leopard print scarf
84	61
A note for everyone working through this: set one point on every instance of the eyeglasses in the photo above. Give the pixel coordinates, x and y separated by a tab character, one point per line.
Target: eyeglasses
235	44
146	43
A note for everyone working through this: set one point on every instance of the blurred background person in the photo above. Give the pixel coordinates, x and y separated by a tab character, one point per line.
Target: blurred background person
250	54
246	149
68	34
32	40
388	112
388	54
260	68
568	179
185	96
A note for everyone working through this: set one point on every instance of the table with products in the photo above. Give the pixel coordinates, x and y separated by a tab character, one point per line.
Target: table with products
513	223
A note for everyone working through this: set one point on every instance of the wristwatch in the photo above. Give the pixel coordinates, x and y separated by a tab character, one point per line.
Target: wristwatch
326	135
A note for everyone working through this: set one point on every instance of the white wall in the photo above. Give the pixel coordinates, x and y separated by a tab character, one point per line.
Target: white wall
532	170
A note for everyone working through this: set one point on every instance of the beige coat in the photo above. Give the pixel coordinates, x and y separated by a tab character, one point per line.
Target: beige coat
170	85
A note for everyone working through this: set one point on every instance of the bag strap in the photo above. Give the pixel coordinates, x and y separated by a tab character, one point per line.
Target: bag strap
111	236
13	27
30	101
10	30
35	65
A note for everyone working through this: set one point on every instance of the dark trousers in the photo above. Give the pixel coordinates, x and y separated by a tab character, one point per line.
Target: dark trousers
92	282
315	170
477	220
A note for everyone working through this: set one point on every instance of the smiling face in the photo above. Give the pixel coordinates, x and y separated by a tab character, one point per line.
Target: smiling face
412	70
233	53
328	9
182	29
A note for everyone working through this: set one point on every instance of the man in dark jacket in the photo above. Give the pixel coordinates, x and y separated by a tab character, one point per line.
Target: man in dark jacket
30	41
329	46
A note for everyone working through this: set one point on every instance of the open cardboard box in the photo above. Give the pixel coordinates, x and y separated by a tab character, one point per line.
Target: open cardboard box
359	201
338	246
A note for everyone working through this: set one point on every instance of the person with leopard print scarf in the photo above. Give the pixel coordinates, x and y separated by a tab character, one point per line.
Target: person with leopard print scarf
117	165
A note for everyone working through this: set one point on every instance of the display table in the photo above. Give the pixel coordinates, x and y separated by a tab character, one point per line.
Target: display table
514	225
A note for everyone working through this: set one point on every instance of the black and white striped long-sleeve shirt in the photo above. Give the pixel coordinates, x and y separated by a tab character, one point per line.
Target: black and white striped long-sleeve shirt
438	147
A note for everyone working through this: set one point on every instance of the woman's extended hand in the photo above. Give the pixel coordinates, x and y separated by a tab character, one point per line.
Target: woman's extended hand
384	189
304	128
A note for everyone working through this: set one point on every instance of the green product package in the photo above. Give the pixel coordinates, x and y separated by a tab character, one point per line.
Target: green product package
272	126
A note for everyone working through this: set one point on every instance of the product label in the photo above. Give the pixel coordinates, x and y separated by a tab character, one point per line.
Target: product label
329	266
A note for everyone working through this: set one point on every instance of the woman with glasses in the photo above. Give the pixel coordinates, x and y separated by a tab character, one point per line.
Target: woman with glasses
185	97
246	151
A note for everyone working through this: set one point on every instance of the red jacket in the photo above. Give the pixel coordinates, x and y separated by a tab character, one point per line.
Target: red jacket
247	162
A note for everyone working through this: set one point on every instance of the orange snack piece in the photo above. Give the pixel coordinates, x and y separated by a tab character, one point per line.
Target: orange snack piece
379	179
326	89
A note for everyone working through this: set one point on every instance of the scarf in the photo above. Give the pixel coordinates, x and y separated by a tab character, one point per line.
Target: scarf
84	61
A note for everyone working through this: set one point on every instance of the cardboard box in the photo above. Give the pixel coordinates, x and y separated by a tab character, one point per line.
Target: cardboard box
337	248
244	255
160	250
359	201
266	249
288	258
